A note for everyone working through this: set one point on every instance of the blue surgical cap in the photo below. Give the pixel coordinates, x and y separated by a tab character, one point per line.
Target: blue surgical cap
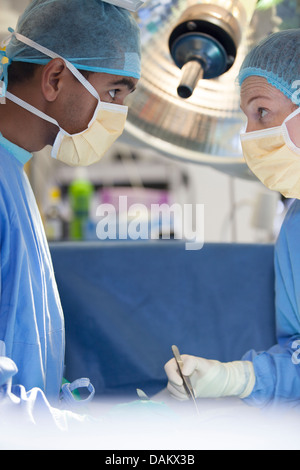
277	59
93	35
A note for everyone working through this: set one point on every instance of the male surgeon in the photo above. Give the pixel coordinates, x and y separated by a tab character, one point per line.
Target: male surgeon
65	72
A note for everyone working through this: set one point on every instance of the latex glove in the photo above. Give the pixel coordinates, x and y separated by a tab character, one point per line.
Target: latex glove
211	379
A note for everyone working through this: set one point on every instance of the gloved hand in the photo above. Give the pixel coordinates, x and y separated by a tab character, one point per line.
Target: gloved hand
211	379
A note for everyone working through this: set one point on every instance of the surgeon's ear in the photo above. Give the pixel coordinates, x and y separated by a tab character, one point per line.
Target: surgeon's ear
51	80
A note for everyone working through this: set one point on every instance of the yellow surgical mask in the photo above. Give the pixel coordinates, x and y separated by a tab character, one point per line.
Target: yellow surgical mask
88	146
273	157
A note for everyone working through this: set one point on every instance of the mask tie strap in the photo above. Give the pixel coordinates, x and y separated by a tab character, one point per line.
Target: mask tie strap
286	134
30	108
293	114
53	55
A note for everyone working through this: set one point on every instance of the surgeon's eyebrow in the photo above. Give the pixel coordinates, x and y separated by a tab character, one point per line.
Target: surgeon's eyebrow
257	97
253	98
126	81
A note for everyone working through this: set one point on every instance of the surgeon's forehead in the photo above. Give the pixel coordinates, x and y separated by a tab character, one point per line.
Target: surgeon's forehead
255	87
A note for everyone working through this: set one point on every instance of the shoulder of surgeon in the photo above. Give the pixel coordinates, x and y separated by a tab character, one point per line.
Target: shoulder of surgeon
291	225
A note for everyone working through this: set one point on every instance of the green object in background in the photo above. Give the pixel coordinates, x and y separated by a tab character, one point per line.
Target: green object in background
80	193
265	4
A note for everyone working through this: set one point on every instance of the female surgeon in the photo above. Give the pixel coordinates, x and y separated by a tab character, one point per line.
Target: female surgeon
269	85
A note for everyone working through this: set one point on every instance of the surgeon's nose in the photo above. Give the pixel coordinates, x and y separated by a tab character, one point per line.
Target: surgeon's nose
252	126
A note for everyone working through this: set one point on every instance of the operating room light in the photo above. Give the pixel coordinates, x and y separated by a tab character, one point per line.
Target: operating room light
203	127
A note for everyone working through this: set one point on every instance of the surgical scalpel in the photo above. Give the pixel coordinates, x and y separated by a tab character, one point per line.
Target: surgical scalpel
186	380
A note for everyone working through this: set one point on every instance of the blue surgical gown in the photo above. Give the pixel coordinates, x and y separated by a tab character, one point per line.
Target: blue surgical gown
31	317
278	369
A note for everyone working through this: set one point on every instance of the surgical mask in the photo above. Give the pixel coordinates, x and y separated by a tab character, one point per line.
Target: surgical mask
86	147
274	158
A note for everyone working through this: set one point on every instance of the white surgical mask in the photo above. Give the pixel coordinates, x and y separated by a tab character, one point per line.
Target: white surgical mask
88	146
274	158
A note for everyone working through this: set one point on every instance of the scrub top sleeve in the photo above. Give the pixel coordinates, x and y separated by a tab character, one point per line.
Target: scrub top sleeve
277	370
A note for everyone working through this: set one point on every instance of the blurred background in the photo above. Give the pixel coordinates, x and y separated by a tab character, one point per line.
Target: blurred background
181	143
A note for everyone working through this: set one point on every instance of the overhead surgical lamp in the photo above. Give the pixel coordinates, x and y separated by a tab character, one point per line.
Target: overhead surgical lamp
204	43
194	50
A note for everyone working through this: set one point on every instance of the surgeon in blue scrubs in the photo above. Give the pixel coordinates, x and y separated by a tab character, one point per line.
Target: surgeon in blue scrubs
47	102
270	98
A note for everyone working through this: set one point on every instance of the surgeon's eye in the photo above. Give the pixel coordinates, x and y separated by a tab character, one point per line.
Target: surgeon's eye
262	113
113	93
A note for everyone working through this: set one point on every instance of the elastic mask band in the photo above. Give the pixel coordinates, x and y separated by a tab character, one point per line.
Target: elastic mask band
53	55
286	134
30	108
293	114
262	133
270	131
